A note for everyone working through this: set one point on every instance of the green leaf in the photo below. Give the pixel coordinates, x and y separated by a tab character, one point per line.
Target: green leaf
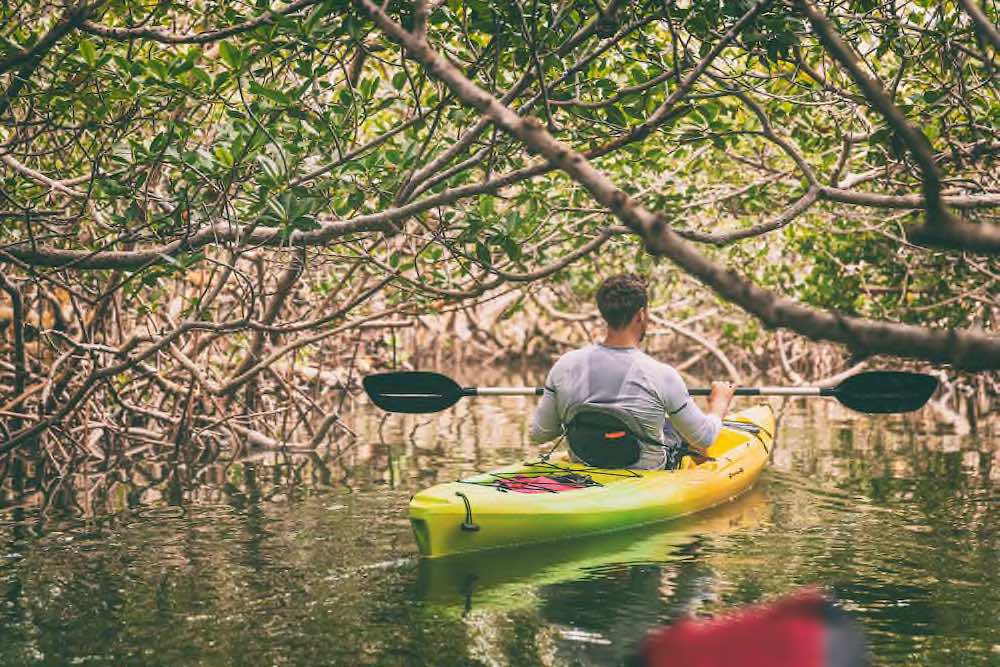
188	261
511	247
230	55
932	96
486	206
483	254
270	93
708	110
201	75
399	80
223	155
615	116
636	111
342	205
277	209
158	70
88	51
159	142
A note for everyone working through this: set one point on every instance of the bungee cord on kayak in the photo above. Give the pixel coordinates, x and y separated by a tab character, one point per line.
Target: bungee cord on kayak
544	476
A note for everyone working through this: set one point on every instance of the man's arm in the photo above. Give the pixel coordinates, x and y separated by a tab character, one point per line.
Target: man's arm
720	398
546	424
699	429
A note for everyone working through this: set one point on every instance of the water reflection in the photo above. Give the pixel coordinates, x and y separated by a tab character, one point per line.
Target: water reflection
505	577
603	592
306	558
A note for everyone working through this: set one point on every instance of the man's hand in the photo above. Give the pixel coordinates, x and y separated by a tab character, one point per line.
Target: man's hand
720	398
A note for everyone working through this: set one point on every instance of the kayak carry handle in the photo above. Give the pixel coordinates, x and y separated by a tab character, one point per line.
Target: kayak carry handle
468	525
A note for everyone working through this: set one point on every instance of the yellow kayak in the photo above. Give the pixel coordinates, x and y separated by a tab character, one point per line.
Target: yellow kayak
544	501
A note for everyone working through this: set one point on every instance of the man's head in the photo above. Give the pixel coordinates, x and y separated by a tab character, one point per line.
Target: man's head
622	301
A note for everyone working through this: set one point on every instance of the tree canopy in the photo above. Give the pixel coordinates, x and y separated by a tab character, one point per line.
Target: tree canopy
198	191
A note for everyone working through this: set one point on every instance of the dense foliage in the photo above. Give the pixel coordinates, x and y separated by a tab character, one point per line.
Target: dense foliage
198	195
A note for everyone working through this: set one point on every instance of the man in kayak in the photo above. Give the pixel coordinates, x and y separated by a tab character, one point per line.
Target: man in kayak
615	379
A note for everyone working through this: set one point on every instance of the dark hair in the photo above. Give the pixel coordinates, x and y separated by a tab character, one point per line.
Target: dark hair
620	297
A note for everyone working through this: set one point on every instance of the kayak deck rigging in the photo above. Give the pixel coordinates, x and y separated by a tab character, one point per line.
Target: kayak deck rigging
544	476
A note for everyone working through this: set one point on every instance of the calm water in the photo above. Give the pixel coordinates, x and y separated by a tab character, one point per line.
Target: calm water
289	559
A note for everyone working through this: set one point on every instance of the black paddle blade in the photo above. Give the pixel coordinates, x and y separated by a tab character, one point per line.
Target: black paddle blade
886	391
414	392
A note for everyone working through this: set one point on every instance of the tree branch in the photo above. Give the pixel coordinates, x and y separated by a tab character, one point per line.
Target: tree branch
800	206
72	17
17	322
167	37
964	349
941	228
983	23
40	177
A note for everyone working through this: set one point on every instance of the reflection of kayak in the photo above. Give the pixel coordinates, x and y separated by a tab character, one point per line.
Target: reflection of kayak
501	577
544	501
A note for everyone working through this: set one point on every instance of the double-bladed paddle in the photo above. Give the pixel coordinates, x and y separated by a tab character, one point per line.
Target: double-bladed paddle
419	392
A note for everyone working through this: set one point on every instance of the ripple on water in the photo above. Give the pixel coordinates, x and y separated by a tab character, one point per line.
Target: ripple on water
258	569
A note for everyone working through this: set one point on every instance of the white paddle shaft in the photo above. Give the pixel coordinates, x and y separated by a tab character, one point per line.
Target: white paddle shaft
740	391
508	391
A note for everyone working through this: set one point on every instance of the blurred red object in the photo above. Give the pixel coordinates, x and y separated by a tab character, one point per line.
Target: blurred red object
804	629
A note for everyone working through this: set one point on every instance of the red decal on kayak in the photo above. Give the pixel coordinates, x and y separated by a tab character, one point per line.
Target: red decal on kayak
539	484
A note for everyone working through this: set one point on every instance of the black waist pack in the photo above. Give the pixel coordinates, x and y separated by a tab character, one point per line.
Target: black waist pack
603	441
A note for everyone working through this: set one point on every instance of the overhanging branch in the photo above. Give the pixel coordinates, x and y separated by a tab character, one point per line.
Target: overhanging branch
941	228
167	37
965	349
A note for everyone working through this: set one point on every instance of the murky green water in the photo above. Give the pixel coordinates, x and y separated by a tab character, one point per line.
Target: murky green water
293	559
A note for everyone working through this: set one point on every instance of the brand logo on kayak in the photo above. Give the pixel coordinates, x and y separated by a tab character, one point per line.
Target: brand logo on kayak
734	474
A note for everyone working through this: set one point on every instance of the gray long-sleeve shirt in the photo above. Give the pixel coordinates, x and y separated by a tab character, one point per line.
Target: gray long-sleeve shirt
630	380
